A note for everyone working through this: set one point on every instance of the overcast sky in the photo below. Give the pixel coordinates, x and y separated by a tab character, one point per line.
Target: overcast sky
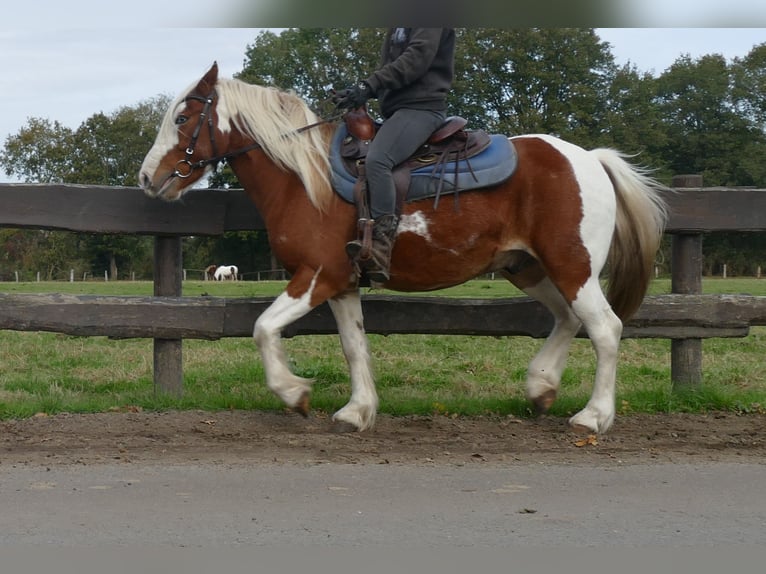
68	74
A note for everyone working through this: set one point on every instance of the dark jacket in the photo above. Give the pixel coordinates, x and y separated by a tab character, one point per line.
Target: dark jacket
416	71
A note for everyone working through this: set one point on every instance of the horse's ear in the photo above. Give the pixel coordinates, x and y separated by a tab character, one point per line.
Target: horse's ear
209	80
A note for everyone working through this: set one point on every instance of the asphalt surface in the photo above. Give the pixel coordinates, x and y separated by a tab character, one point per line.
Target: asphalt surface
368	506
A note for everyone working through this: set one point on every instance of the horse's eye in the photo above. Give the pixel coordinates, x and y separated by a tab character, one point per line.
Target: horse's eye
181	120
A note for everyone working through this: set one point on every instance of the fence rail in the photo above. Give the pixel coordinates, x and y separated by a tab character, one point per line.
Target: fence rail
686	317
661	316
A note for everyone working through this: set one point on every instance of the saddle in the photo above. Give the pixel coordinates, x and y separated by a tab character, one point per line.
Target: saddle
454	159
450	143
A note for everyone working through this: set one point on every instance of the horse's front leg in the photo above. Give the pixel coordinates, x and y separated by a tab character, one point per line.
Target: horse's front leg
362	407
295	302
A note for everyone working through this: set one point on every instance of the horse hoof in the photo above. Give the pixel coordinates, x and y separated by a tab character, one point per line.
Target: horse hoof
303	406
543	402
581	429
342	427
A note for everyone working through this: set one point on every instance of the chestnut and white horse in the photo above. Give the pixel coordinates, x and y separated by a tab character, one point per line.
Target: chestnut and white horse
209	272
550	230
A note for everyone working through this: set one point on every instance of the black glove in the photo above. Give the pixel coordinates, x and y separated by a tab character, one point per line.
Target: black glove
352	97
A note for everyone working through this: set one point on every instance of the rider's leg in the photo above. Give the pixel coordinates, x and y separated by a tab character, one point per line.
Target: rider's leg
397	139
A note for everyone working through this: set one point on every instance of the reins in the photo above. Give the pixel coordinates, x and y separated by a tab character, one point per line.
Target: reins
190	166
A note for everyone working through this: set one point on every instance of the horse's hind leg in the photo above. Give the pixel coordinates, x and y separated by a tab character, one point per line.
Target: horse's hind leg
545	369
604	330
362	407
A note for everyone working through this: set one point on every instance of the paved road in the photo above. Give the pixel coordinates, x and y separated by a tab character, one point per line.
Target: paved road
381	505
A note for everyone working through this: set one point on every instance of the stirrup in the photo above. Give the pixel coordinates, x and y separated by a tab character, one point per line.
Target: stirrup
360	249
380	274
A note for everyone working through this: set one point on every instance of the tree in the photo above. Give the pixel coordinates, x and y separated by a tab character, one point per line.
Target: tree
40	152
749	96
632	121
714	127
533	80
104	150
109	149
705	132
312	61
750	85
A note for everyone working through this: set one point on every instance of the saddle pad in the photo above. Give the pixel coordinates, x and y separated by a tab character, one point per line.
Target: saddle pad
491	167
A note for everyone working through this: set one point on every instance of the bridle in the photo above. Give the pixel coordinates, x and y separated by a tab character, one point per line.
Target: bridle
185	167
187	162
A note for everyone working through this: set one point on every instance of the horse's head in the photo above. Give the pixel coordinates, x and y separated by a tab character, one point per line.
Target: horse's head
189	143
226	119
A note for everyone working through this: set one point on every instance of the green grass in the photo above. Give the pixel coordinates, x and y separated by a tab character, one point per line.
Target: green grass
416	374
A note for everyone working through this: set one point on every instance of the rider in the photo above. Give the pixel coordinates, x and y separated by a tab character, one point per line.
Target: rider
411	84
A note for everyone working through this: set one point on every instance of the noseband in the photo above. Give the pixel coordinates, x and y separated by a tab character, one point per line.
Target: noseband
185	167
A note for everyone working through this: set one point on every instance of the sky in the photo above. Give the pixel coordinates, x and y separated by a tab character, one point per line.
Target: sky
65	71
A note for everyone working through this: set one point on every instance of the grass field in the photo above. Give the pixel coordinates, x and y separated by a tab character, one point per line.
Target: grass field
49	372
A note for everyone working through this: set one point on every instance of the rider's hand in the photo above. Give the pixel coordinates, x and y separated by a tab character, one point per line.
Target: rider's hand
352	97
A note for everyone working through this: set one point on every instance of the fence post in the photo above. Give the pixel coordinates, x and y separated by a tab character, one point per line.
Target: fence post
168	357
686	278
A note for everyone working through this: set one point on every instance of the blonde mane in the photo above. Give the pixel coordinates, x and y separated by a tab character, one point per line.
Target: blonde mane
270	117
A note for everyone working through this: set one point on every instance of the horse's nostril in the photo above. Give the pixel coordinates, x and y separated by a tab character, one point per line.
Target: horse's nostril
145	183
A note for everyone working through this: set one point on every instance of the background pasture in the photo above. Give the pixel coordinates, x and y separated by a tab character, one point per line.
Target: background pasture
416	374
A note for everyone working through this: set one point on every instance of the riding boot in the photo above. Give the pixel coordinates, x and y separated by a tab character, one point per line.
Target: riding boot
376	265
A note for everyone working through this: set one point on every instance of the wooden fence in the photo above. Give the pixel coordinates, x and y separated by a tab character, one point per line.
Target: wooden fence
685	316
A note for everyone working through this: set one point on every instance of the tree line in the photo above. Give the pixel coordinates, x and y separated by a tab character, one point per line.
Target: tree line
705	116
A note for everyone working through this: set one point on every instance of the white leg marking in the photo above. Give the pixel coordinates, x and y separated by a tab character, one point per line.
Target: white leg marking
604	329
363	405
267	335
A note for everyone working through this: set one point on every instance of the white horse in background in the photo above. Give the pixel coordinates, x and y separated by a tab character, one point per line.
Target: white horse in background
224	272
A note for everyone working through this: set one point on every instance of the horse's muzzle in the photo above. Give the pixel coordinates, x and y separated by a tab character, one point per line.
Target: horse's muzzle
145	183
150	189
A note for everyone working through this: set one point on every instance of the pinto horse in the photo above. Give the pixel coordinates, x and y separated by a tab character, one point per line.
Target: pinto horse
224	272
550	230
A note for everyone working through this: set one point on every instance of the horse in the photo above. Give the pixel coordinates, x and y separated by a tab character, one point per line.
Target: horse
224	272
564	216
210	272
